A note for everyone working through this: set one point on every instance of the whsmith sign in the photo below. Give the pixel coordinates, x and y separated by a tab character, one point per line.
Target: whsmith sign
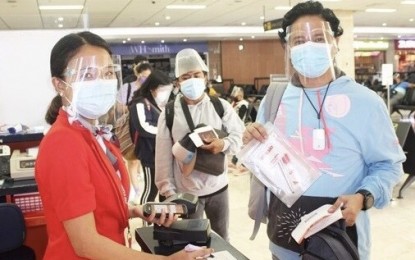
157	48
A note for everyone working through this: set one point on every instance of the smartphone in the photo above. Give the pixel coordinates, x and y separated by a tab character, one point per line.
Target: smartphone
177	209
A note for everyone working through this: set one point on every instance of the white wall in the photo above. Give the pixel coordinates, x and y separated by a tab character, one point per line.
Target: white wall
25	83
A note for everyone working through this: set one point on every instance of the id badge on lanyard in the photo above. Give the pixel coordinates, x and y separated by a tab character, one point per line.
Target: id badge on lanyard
319	139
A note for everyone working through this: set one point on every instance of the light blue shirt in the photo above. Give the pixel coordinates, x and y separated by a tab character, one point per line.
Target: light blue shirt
362	150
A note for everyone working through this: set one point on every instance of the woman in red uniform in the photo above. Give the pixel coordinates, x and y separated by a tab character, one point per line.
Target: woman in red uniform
81	176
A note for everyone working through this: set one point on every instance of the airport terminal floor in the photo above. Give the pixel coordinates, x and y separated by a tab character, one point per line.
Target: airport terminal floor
392	227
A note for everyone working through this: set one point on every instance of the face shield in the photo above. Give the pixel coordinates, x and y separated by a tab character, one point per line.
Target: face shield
310	51
94	81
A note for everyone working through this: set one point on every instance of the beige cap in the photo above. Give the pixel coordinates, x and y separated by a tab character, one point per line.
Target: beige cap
189	60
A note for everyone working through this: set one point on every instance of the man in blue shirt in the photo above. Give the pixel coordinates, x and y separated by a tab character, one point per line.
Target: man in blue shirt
333	122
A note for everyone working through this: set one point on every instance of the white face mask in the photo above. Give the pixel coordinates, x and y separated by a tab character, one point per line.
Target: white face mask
193	88
163	95
93	99
311	59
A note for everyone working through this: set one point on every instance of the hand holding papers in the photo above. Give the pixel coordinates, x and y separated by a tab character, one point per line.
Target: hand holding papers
279	166
315	221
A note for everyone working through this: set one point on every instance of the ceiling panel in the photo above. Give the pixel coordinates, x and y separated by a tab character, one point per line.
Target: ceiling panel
24	14
21	22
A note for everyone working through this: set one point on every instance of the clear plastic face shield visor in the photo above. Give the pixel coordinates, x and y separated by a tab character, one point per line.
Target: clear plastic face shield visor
310	50
94	81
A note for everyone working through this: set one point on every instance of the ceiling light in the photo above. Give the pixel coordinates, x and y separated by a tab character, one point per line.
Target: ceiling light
162	41
60	19
241	39
185	40
156	23
282	7
240	47
253	36
384	24
128	39
408	2
60	25
185	7
61	7
261	17
243	23
143	42
167	17
411	19
380	10
124	41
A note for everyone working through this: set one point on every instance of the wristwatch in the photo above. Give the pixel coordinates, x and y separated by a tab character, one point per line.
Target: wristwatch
368	199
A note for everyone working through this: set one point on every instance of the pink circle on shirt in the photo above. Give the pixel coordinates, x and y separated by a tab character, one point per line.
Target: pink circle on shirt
337	105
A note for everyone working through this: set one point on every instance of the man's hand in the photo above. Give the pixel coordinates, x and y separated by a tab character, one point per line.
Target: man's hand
351	206
254	130
216	146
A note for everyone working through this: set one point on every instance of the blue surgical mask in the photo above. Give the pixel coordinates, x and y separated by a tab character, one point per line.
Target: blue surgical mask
193	88
94	98
311	59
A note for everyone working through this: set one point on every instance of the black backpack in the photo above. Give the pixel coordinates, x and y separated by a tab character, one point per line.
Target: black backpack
169	110
251	113
331	243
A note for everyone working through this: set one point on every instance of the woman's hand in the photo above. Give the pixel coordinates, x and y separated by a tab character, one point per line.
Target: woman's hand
165	219
351	206
254	130
203	253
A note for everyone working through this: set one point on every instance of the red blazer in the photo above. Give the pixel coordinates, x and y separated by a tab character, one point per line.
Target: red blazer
75	177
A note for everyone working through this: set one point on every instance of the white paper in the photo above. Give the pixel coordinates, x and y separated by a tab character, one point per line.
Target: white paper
203	135
279	166
315	221
223	255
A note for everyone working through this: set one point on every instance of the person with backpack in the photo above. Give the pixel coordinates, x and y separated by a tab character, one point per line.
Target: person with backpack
334	123
145	108
193	108
124	97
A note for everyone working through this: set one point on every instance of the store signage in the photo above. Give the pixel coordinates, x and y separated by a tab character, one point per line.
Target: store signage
370	45
404	44
156	48
273	24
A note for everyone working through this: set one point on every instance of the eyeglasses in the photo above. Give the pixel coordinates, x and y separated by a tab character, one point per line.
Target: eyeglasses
319	35
93	73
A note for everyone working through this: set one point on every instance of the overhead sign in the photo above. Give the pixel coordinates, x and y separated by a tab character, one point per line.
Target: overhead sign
273	24
404	44
156	48
370	45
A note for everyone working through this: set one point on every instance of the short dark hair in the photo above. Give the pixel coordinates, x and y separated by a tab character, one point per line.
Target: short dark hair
142	67
139	58
310	8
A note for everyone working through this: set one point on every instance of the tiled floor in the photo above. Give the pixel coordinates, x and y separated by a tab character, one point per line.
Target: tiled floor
393	228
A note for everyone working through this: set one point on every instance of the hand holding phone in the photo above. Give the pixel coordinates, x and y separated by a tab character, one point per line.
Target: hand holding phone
158	208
